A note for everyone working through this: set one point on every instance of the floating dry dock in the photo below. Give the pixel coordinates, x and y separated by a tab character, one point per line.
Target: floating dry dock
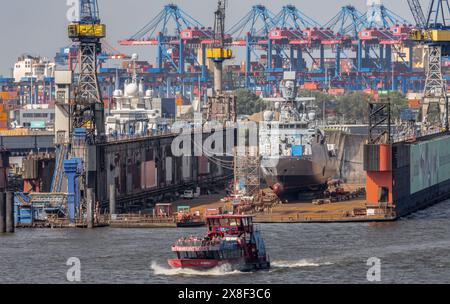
401	178
410	175
353	210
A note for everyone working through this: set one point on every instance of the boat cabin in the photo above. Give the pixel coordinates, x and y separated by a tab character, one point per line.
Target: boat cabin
230	224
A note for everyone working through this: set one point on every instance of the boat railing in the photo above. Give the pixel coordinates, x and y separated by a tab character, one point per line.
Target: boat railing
198	243
408	134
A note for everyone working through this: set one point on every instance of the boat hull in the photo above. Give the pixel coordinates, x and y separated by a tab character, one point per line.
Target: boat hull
236	264
289	175
190	224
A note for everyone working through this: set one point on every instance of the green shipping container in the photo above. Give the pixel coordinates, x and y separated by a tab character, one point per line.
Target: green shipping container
37	125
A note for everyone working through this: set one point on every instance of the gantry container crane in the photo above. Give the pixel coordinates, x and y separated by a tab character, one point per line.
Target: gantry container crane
433	30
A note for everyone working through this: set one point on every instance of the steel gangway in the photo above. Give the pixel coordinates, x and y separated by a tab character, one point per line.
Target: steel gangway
59	168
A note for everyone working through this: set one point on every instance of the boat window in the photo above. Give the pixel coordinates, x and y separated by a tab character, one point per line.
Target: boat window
223	222
188	255
234	223
231	254
245	222
214	222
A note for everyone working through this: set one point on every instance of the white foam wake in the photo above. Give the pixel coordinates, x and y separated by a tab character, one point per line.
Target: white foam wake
299	264
222	270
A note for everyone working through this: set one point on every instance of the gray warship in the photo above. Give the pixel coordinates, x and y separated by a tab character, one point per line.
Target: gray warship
295	156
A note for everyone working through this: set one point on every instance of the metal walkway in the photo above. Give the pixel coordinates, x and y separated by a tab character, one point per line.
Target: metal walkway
58	174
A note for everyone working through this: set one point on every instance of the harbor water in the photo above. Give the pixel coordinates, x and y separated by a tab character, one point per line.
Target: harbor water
412	250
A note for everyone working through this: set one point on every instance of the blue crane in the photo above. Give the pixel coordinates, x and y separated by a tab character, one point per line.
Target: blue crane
348	22
252	31
295	21
164	31
257	22
379	15
292	17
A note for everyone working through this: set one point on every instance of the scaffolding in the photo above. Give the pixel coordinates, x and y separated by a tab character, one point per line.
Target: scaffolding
247	172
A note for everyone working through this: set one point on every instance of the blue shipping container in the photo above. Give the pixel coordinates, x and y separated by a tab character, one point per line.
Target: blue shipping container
297	150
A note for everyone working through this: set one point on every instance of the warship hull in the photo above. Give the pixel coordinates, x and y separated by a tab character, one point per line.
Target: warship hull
290	175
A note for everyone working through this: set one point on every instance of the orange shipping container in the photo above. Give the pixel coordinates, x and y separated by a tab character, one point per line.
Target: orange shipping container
371	92
336	91
8	95
311	86
414	103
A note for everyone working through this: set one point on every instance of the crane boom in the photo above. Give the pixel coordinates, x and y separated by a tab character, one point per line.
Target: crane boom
217	52
439	14
417	12
219	24
89	13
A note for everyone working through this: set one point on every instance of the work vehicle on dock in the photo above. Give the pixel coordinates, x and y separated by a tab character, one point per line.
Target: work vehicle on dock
231	240
187	219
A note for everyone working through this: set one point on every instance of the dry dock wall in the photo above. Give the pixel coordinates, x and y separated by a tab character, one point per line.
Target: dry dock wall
350	154
421	173
148	166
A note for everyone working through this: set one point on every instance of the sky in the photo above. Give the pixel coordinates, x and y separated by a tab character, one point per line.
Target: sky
39	27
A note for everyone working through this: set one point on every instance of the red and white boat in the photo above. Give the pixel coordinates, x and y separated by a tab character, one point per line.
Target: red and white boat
231	240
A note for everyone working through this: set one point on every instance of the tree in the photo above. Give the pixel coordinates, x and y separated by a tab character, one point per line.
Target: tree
249	103
398	103
352	107
322	99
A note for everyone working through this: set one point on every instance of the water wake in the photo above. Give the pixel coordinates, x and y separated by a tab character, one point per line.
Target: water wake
299	264
223	270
